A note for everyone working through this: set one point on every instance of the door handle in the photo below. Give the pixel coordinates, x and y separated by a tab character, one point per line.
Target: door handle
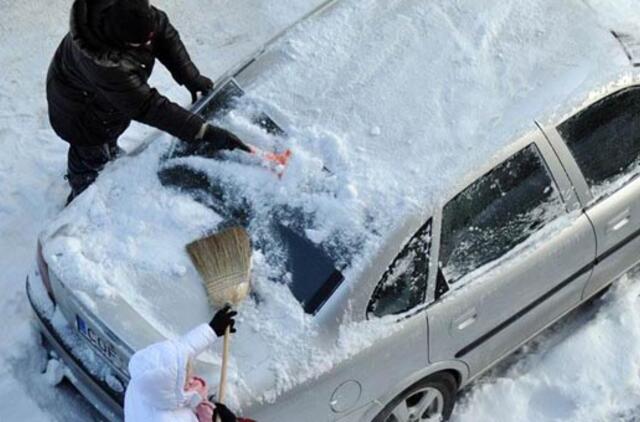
619	222
465	320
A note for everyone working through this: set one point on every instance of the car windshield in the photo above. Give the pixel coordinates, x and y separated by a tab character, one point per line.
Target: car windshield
282	234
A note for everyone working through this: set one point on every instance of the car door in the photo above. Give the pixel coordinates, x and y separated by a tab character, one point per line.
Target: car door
600	149
515	255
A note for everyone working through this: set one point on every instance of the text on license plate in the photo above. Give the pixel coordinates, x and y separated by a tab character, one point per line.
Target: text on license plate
106	348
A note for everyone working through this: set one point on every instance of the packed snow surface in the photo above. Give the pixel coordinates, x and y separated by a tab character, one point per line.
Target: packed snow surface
347	84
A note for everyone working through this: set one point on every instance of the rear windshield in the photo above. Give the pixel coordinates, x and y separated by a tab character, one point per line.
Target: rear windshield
310	268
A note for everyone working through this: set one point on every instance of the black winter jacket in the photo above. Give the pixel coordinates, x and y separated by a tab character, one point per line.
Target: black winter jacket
94	89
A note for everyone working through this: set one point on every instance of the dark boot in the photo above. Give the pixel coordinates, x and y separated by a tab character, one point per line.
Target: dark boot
84	163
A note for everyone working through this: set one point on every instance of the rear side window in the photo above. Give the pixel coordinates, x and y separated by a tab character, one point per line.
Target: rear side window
496	213
605	140
404	284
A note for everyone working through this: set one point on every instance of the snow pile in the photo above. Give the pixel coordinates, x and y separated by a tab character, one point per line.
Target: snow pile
586	369
55	372
482	71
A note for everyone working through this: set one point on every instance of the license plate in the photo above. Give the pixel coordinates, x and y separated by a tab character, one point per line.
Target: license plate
99	343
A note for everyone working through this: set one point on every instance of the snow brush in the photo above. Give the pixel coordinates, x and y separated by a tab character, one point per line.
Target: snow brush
279	160
223	260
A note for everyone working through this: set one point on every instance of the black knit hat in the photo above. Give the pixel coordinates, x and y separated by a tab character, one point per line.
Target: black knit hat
130	21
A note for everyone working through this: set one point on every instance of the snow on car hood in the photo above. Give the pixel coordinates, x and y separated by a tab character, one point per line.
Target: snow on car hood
398	99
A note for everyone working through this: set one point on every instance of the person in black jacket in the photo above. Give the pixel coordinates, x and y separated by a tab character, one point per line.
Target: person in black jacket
97	83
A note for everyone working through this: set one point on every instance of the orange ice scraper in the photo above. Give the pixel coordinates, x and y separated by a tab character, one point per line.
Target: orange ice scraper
278	160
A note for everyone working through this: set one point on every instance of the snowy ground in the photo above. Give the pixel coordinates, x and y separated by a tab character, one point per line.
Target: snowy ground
584	369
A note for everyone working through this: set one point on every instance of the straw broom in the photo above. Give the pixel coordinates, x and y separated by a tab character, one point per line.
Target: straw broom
224	263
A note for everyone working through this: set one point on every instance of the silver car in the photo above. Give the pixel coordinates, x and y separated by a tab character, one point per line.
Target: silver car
548	220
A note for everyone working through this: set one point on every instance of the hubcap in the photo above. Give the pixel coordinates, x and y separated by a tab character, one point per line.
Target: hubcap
425	405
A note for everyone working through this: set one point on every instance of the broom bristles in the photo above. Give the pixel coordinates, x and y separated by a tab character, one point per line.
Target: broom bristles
224	262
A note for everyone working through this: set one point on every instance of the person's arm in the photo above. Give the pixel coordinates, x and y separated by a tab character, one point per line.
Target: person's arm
133	96
172	53
197	340
203	336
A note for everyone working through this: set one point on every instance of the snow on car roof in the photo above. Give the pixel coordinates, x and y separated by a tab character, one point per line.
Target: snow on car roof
400	102
398	99
415	94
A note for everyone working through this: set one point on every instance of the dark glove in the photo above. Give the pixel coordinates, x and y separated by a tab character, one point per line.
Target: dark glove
201	84
222	139
224	413
223	319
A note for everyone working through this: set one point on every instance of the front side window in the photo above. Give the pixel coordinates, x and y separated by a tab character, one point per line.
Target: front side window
404	284
496	213
605	141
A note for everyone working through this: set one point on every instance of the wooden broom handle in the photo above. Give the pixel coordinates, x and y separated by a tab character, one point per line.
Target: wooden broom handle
223	371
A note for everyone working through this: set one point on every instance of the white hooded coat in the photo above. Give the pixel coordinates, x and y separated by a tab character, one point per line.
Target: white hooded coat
158	374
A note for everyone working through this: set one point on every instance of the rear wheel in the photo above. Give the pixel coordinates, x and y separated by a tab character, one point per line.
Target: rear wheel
430	400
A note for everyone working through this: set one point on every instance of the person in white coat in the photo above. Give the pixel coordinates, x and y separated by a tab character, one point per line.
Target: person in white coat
162	389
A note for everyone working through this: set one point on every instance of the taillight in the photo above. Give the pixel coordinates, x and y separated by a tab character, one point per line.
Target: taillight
43	268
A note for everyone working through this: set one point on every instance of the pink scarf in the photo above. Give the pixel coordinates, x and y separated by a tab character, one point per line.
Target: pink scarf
204	411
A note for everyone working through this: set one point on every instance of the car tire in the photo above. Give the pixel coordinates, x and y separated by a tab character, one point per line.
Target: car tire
429	400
